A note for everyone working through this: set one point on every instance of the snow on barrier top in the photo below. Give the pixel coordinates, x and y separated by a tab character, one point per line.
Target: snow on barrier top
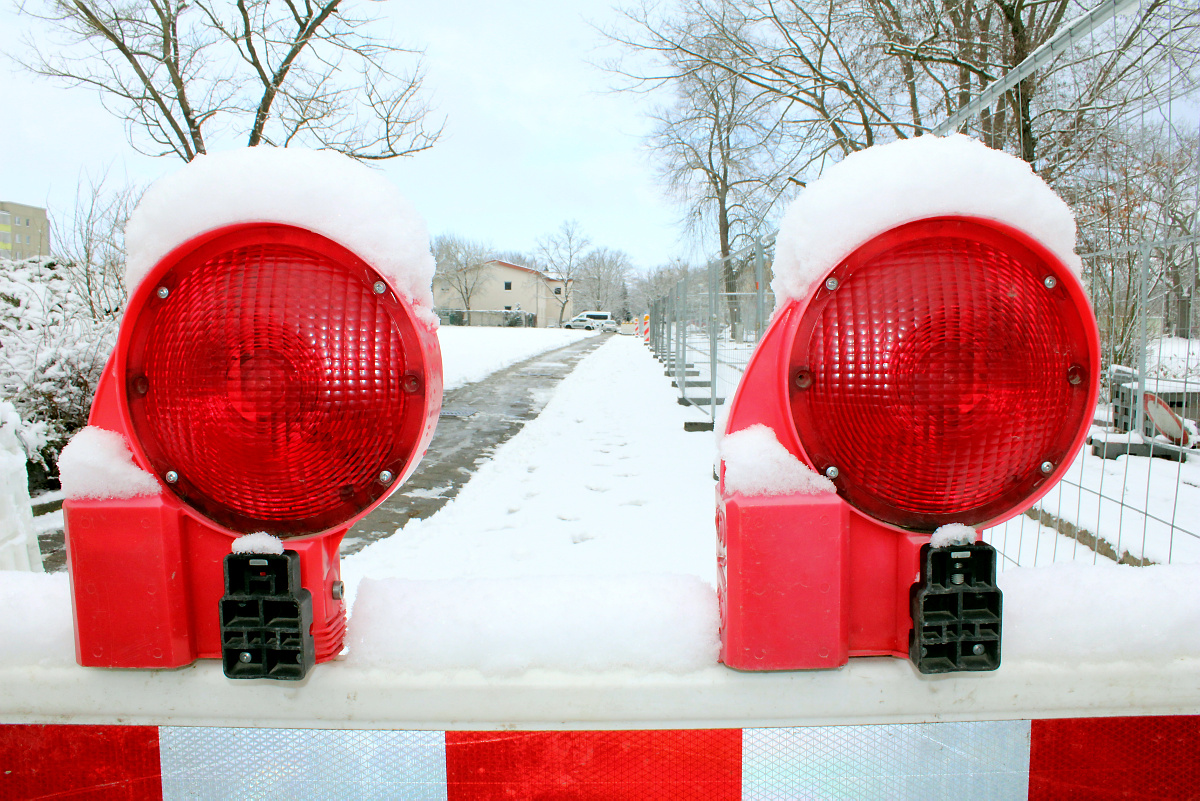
877	189
321	191
1080	641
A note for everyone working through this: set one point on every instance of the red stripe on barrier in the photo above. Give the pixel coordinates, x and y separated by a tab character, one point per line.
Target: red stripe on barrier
79	762
702	764
1107	758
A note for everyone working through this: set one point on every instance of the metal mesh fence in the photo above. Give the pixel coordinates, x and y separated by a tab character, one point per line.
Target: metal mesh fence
705	330
1130	497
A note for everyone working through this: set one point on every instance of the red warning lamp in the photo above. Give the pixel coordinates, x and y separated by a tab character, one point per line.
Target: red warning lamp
274	382
945	372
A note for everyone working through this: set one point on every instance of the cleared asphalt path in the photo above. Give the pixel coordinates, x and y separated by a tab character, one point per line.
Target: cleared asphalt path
476	419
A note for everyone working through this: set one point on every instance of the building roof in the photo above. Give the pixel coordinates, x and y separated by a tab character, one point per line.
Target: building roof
539	273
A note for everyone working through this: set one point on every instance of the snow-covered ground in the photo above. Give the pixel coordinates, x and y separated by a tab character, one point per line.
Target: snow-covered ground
1148	508
471	354
604	481
531	562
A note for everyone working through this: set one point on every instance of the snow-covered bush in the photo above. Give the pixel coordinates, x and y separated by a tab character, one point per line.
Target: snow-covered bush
54	341
1173	357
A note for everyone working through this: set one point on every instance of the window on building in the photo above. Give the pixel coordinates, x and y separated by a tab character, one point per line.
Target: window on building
508	284
558	290
508	308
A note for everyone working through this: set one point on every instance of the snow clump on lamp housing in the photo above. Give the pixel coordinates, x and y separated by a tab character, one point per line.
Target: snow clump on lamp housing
913	179
97	464
756	464
321	191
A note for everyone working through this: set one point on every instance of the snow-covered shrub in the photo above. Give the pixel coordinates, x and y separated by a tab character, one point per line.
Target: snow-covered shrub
54	341
1173	357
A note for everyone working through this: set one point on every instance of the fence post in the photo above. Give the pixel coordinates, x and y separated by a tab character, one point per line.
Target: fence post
760	295
677	341
714	323
668	318
1139	402
652	334
681	346
660	329
656	320
672	325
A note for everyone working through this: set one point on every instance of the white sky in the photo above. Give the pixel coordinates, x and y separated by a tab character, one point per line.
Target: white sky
532	138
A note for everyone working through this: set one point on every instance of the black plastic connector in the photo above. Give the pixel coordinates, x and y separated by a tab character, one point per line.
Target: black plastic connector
266	618
956	610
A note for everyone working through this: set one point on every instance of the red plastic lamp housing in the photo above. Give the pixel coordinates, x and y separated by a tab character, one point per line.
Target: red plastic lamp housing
274	380
946	369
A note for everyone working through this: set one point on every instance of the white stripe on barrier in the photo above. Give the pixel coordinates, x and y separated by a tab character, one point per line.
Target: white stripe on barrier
215	763
920	760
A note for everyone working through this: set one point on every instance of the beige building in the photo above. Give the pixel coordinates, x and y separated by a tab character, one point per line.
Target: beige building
24	231
501	286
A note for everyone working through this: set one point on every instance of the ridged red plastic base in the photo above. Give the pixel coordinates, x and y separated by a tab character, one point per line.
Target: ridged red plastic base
147	580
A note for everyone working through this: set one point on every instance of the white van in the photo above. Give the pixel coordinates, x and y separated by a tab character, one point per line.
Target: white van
591	320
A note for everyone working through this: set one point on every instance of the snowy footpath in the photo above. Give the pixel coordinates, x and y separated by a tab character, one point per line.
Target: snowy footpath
604	481
587	541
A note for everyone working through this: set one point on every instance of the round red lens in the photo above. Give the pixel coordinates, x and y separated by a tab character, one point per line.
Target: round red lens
267	376
946	375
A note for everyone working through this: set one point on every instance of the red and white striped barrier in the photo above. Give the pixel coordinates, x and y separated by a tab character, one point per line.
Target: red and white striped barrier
1125	757
646	329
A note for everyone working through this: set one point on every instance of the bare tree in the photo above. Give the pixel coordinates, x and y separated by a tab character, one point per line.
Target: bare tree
601	283
90	245
275	72
721	146
561	256
460	267
850	75
1140	186
718	146
645	289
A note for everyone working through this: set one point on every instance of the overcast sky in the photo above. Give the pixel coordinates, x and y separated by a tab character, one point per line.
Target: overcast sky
532	137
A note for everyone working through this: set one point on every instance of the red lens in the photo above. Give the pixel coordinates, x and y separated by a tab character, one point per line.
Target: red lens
271	379
949	364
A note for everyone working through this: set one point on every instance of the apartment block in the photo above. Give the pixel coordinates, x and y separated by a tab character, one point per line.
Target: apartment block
24	231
